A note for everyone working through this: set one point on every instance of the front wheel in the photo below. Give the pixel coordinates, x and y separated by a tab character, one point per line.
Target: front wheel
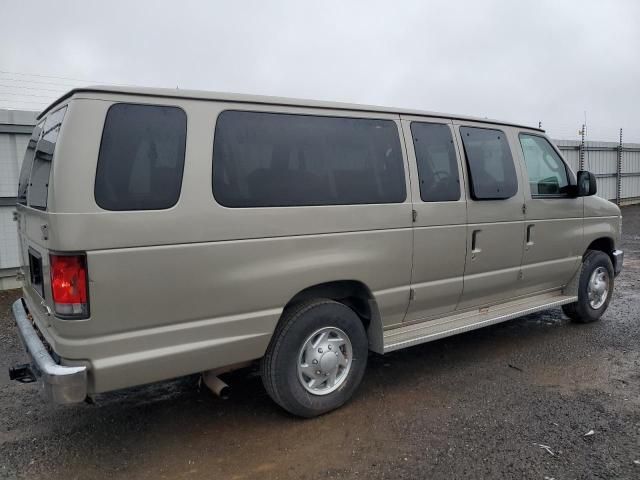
316	358
595	288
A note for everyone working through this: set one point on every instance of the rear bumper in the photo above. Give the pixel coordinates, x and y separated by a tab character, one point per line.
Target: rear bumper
618	257
59	384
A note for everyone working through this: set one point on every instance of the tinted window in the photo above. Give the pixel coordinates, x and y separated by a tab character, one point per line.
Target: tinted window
141	157
272	160
546	170
39	159
437	163
27	163
491	168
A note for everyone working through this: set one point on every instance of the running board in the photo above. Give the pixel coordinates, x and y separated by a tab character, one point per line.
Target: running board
428	331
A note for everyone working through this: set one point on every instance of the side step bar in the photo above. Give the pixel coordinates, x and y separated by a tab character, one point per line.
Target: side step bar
428	331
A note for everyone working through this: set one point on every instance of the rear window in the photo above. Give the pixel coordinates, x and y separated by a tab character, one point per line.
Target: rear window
491	167
33	184
141	157
280	160
27	163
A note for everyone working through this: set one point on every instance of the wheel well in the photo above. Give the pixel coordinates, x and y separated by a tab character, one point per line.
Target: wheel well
603	244
352	293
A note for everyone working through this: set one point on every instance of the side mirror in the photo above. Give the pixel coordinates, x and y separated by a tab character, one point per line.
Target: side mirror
586	184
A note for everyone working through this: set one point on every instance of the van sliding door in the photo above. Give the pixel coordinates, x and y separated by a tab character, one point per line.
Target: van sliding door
495	231
439	233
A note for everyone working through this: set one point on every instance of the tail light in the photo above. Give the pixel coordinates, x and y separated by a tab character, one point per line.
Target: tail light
69	285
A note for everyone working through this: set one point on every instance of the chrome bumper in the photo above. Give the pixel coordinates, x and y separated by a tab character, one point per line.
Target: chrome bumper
618	257
59	384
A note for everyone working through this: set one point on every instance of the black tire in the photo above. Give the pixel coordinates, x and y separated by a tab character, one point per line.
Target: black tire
279	367
582	311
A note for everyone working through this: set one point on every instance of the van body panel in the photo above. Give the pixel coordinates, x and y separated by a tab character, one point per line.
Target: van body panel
89	231
439	241
93	228
237	277
602	220
552	252
104	92
599	207
554	228
234	269
159	353
597	228
71	189
492	271
34	224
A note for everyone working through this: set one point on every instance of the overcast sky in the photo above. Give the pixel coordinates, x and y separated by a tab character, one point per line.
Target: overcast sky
532	61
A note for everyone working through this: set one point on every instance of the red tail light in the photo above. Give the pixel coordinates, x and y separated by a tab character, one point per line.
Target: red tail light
69	285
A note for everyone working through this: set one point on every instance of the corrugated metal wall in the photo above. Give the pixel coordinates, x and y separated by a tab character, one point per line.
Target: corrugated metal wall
600	158
631	172
15	130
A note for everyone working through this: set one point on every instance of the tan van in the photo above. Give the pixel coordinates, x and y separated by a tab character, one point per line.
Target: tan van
168	232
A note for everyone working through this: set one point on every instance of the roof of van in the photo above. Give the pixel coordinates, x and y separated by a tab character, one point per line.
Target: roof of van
267	100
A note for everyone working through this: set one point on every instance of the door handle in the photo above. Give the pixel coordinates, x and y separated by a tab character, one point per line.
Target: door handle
530	231
475	241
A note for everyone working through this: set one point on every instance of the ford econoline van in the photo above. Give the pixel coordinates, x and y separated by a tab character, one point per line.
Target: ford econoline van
171	232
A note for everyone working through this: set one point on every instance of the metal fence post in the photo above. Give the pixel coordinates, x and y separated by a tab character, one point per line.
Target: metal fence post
581	164
619	172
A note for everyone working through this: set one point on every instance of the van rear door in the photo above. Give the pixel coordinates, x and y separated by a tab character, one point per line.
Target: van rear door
33	192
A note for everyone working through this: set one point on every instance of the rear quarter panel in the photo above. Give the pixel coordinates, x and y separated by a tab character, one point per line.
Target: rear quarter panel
199	283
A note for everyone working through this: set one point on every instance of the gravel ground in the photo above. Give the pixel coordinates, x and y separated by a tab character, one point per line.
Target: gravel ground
510	401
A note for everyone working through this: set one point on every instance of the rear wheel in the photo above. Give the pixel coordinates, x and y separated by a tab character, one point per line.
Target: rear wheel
595	288
316	358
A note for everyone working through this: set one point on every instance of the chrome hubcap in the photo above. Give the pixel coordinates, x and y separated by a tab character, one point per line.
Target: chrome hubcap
598	287
324	360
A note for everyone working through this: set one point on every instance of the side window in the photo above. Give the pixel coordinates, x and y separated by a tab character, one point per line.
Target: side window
141	157
547	172
281	160
437	162
38	186
491	168
27	163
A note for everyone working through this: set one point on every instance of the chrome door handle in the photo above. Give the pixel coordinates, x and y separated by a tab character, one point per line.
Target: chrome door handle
530	231
475	241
